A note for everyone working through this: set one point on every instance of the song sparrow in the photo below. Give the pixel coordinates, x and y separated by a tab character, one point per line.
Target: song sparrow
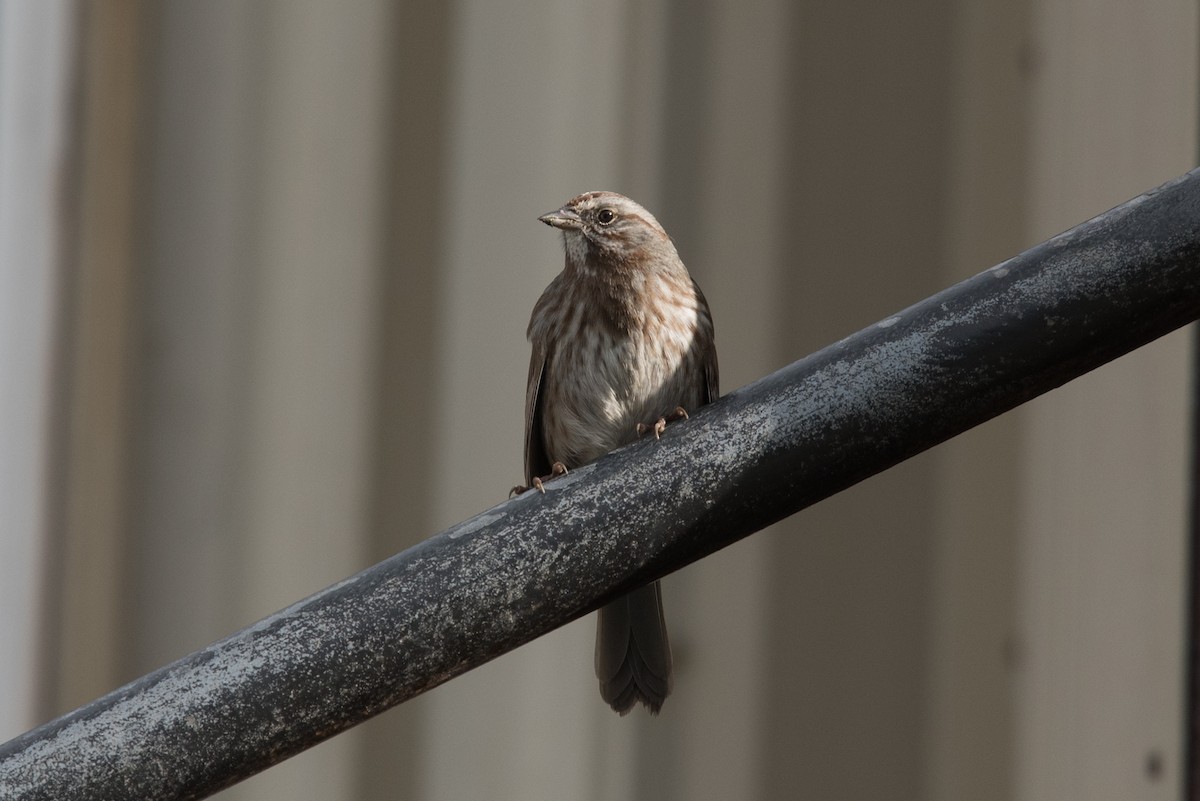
622	343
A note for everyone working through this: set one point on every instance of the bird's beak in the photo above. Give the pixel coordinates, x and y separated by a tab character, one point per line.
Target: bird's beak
565	218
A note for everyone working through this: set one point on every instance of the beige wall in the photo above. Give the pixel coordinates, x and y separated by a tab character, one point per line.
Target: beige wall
1103	495
320	255
35	152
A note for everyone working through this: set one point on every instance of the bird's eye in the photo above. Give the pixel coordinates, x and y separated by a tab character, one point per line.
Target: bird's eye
605	216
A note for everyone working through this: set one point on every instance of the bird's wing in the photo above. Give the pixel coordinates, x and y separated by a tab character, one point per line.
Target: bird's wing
712	381
537	463
711	376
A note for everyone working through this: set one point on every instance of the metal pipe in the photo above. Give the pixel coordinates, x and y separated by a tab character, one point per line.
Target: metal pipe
520	569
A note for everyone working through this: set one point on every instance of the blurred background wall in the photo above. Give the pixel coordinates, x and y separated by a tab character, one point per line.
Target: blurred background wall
265	271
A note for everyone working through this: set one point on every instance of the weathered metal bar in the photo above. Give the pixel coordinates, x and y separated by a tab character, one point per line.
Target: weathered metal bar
533	563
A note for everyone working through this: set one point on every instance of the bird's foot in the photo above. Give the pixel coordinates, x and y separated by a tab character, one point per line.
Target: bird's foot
660	425
557	469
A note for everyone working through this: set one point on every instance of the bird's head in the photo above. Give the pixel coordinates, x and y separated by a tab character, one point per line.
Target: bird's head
605	228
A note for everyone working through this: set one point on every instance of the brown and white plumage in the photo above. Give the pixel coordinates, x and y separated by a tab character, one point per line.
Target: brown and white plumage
621	337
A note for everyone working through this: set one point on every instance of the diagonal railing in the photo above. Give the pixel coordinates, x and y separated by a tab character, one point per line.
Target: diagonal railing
531	564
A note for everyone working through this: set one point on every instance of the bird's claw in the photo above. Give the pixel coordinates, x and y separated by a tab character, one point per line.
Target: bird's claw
660	425
557	469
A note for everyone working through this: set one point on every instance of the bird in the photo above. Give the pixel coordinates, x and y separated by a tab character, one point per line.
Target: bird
622	344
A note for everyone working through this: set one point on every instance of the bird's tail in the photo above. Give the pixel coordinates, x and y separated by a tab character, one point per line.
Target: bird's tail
633	655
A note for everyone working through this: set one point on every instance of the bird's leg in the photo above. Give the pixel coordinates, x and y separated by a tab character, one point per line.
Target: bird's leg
660	425
557	469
